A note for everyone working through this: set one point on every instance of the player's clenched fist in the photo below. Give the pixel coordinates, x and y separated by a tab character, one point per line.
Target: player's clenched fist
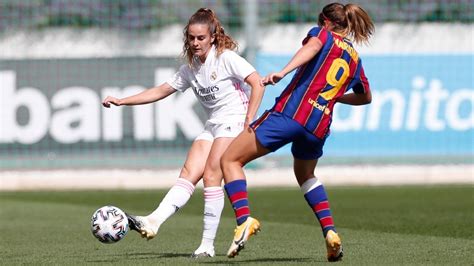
273	78
110	100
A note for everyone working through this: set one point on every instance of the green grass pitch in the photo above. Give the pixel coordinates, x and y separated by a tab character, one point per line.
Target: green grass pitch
378	225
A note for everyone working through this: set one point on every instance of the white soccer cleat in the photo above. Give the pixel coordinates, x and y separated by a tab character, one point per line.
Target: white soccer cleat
142	226
242	233
334	246
203	253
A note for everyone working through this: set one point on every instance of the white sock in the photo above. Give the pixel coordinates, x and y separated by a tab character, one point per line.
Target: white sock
310	184
213	206
175	199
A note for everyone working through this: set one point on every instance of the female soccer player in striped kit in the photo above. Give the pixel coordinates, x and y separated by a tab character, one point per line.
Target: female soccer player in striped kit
219	77
327	67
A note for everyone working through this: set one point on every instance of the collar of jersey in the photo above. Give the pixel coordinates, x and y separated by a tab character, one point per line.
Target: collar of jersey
212	53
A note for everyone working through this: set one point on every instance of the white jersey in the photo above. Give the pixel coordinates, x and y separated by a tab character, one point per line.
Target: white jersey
218	84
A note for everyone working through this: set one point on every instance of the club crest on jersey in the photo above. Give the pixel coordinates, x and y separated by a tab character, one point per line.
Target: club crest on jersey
213	75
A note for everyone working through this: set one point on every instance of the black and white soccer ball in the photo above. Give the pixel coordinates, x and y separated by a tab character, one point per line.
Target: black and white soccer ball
109	224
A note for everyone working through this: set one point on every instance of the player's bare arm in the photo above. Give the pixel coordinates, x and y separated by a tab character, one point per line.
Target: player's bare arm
356	98
256	95
302	56
147	96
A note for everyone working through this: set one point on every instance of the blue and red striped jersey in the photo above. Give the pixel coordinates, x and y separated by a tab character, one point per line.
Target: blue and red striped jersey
310	96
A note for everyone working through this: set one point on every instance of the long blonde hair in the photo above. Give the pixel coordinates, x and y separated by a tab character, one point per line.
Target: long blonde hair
350	20
222	41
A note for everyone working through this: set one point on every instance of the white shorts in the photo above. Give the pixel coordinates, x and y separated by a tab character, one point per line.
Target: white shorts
225	130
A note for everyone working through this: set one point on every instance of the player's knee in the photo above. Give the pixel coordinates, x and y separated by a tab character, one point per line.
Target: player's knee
304	175
189	174
225	165
212	169
224	161
212	180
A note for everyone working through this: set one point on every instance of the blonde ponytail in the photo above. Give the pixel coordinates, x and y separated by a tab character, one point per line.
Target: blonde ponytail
359	22
349	20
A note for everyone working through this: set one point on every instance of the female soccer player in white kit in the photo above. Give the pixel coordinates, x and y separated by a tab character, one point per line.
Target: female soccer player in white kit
218	76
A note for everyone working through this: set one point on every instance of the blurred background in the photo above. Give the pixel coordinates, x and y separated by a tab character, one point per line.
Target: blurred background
60	58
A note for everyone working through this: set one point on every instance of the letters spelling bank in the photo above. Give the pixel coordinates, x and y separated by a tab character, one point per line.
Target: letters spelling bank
418	101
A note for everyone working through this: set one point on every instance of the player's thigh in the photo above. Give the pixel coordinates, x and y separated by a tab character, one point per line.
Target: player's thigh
306	150
243	149
195	163
212	171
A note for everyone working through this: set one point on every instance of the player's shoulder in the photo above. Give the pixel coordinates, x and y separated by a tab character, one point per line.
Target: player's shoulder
229	54
184	68
184	71
318	32
315	31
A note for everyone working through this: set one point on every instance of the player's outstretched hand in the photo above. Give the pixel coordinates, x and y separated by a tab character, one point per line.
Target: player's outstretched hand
272	78
110	100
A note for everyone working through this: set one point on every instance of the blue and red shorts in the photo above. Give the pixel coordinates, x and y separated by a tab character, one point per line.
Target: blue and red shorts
274	130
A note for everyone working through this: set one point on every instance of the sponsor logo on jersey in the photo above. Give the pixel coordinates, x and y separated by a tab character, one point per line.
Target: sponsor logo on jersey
208	94
318	106
208	90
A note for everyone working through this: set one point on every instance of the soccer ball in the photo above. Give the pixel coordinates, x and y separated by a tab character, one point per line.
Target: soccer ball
109	224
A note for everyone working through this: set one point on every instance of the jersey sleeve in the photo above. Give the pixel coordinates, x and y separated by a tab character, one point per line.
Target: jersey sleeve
180	80
362	86
237	66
